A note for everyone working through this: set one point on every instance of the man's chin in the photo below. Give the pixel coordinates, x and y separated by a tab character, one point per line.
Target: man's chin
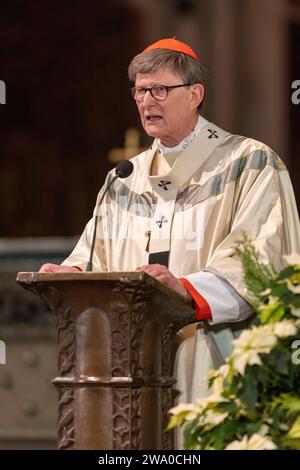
152	131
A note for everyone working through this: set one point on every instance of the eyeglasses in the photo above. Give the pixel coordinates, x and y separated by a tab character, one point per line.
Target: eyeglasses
158	92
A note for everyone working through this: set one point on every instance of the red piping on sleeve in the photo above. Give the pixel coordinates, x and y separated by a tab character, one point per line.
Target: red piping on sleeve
203	311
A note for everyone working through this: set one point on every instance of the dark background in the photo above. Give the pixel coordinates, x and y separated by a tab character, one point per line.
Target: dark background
65	68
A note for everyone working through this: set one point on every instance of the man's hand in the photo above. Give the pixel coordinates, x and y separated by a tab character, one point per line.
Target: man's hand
57	268
163	275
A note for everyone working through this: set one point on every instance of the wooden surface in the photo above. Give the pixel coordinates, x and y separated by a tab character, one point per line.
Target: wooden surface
116	337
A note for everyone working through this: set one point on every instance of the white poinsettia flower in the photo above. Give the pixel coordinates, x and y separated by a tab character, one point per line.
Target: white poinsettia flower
273	299
219	377
223	371
204	402
295	311
295	288
243	340
192	415
264	341
292	259
213	418
266	292
250	344
255	442
182	408
263	430
261	338
283	427
218	386
241	360
286	328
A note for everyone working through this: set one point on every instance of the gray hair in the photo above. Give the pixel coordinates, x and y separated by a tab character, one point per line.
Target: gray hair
189	69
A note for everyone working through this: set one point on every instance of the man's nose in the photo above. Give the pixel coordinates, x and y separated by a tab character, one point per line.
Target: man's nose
148	98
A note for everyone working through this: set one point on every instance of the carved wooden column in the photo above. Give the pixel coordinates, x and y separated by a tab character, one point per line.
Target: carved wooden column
116	336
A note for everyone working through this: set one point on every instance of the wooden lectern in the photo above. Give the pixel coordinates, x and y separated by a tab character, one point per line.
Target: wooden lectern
116	345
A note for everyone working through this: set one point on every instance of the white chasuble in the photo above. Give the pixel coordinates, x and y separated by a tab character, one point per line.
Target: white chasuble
219	186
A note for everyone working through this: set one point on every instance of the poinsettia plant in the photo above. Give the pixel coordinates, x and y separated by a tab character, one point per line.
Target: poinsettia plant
255	399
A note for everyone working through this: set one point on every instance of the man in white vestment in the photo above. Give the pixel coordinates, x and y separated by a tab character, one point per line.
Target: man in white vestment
190	197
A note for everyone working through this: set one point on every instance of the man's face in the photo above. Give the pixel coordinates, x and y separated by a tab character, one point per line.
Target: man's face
174	118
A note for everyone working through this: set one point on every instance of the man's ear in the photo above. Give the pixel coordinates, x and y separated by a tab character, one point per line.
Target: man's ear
197	95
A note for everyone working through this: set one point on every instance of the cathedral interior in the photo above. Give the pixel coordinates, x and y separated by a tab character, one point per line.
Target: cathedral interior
67	118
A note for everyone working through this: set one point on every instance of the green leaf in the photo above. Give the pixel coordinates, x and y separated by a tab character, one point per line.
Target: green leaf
293	444
176	420
227	407
295	300
257	275
271	313
259	374
286	272
251	428
249	394
278	359
222	434
279	290
287	402
294	432
191	435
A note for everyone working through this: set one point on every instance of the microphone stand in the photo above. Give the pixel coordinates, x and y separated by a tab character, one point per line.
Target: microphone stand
89	267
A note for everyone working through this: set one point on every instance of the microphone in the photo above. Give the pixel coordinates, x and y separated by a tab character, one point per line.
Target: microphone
123	169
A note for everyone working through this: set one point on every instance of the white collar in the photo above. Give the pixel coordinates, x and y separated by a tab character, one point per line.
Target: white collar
186	141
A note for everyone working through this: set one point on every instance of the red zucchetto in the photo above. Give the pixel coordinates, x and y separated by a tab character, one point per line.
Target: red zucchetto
173	45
